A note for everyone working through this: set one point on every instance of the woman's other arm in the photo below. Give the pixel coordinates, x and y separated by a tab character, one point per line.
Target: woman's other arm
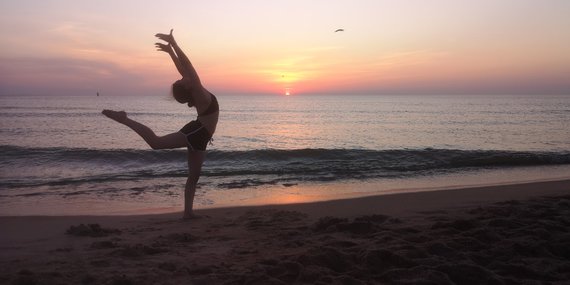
181	61
168	49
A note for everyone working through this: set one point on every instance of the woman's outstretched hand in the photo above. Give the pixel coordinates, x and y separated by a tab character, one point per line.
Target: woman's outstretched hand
162	47
169	38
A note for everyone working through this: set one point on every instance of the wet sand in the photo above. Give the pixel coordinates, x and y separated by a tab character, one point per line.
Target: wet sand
508	234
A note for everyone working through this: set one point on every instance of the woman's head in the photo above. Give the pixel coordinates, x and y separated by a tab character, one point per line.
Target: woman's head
181	93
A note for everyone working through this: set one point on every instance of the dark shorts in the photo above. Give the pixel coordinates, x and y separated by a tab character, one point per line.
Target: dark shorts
196	135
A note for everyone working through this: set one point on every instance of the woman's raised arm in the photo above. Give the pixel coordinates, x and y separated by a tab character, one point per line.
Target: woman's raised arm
180	59
168	49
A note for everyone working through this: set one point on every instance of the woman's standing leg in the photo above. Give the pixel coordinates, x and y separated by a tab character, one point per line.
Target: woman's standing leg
195	161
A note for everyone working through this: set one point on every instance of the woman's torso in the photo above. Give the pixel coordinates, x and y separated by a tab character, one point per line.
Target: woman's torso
209	117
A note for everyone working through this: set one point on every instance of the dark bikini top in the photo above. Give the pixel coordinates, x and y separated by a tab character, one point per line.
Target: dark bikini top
212	108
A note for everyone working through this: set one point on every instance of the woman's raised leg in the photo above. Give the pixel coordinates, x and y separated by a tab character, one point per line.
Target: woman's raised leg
174	140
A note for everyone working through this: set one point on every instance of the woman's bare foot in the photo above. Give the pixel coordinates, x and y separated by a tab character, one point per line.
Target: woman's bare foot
189	216
193	216
119	116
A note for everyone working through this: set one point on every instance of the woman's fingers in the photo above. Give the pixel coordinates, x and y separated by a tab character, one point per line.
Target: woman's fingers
162	47
167	38
162	37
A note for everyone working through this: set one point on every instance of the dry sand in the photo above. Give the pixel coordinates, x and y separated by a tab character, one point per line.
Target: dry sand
509	234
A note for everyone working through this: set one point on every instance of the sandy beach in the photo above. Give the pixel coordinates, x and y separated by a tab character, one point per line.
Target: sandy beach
508	234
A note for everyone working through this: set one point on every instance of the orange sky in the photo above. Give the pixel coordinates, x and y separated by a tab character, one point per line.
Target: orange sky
256	46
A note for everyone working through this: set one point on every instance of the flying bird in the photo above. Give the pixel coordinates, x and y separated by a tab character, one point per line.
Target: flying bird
339	30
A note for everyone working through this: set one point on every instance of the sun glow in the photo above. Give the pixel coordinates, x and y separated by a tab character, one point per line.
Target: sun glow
288	78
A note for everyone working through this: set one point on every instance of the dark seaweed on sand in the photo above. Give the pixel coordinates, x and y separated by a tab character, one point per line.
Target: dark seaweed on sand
91	230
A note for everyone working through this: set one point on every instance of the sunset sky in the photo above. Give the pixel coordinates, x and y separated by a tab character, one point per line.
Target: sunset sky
258	46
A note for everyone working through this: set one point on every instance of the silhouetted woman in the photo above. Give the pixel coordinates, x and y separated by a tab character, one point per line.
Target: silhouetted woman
195	135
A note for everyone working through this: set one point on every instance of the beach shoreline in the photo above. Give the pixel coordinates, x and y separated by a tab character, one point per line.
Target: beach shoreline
340	191
154	202
384	238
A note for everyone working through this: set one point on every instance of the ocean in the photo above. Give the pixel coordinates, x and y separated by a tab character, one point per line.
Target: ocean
60	156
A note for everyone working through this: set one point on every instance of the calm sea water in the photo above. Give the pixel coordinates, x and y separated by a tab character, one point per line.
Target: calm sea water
59	155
